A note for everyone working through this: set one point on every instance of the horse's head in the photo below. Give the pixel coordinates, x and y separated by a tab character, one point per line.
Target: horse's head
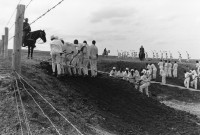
43	35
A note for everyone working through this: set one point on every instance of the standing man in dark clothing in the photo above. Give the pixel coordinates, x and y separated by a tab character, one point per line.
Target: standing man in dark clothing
26	30
142	49
141	53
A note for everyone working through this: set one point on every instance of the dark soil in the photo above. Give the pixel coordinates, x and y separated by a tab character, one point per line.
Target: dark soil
106	103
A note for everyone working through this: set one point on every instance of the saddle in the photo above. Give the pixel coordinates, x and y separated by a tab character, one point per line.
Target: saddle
29	37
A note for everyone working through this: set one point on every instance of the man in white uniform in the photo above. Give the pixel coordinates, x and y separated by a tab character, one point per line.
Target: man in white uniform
160	65
166	68
120	73
169	69
56	51
154	69
113	72
145	82
125	74
194	79
187	79
198	67
93	58
86	54
175	69
163	74
131	76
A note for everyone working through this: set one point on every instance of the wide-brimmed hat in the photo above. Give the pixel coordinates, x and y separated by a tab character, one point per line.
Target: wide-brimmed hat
52	37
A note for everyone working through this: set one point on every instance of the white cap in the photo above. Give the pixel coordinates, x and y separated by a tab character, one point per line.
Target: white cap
52	36
114	67
127	69
144	71
132	69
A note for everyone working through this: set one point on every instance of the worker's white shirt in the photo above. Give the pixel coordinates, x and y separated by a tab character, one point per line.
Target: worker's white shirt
137	75
170	65
113	73
162	72
194	74
175	66
160	64
125	74
197	65
130	76
187	75
120	74
86	51
144	79
56	46
148	66
93	52
166	65
153	67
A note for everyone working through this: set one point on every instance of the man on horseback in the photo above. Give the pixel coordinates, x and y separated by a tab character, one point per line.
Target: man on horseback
26	30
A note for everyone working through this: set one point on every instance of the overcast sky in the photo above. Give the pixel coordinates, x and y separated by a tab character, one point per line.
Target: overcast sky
167	25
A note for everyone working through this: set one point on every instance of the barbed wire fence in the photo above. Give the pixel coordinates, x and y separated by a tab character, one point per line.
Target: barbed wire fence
40	16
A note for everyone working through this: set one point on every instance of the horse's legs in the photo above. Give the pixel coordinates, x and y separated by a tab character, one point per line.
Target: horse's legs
28	51
32	51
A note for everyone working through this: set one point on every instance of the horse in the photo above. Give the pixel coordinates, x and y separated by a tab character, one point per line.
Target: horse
31	39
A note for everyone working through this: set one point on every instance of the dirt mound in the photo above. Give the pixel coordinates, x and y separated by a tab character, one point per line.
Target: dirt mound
101	105
121	108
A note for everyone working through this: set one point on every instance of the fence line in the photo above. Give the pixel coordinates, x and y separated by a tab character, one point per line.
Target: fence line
20	121
13	13
23	109
38	105
39	17
51	105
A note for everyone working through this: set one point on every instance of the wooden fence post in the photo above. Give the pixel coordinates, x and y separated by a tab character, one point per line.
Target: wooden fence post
16	60
6	43
2	46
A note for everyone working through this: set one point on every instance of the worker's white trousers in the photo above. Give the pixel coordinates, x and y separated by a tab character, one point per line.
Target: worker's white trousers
194	83
85	65
187	82
93	65
74	65
166	71
161	68
163	79
154	74
169	72
69	71
80	65
145	88
175	72
56	60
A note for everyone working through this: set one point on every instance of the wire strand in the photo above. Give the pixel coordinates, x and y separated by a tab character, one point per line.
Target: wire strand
13	13
23	109
38	17
38	105
18	111
50	105
28	4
